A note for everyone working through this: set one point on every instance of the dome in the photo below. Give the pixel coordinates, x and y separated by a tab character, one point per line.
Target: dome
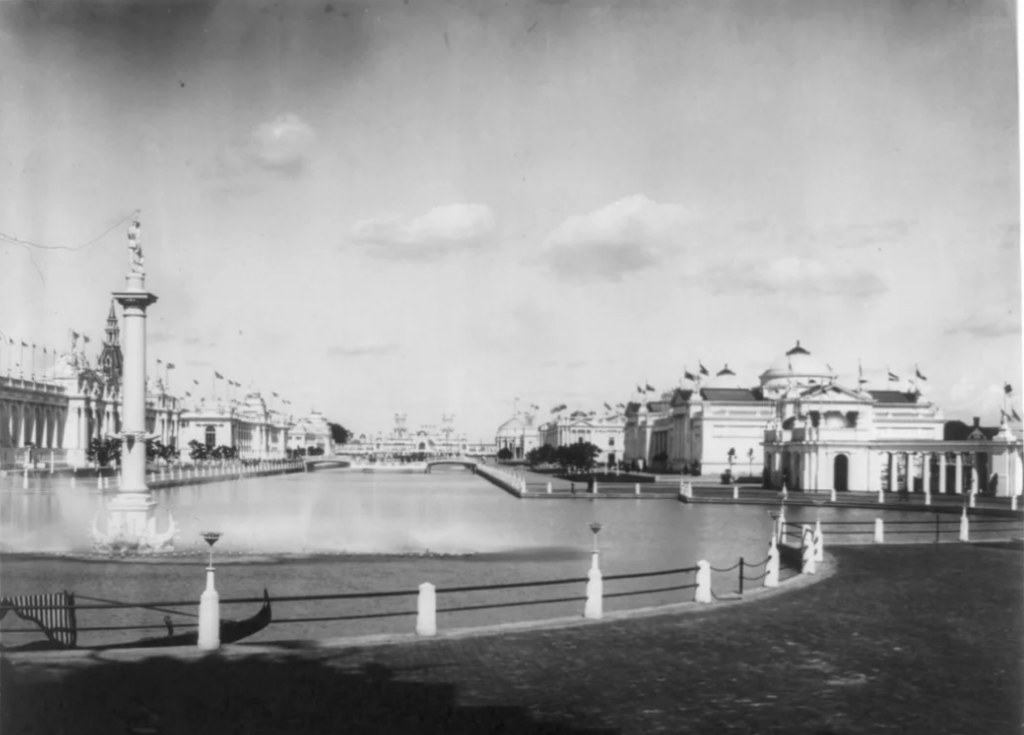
724	378
513	427
798	365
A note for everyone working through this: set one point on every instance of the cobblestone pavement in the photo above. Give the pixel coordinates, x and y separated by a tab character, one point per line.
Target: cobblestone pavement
924	639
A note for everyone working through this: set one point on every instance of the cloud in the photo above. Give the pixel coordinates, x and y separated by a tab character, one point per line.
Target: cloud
796	275
431	236
989	322
366	350
888	232
280	146
158	337
628	235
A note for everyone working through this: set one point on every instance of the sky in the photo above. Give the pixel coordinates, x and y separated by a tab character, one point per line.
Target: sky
435	207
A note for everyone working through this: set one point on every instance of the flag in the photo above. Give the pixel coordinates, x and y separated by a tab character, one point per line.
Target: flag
217	375
195	381
860	372
74	334
893	378
689	376
829	368
85	338
650	388
274	394
621	405
703	370
1007	388
639	389
24	344
608	407
917	372
188	394
1015	416
158	361
170	366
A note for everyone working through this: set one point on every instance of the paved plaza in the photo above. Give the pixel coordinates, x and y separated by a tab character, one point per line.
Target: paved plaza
912	639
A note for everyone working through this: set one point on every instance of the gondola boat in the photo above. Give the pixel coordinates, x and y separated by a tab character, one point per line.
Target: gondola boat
231	631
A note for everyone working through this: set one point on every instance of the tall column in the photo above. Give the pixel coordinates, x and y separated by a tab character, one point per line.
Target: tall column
942	473
911	471
131	510
958	485
926	472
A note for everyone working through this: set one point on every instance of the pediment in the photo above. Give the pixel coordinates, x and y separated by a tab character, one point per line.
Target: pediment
834	393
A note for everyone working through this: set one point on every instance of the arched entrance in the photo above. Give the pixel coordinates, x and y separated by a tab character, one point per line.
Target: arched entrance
841	473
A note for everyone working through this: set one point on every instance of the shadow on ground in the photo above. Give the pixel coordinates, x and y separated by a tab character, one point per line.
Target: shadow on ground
283	694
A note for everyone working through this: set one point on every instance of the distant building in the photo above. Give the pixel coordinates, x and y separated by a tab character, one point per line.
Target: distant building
606	432
311	432
518	435
431	439
248	425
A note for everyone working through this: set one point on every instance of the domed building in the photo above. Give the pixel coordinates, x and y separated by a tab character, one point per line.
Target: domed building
802	429
518	435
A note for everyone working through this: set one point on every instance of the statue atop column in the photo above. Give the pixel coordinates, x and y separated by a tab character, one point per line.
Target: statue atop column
135	258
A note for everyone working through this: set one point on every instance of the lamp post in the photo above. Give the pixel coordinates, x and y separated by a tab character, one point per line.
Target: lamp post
594	608
209	604
595	527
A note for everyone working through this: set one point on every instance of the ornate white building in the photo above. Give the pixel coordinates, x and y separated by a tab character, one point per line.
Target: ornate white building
518	435
607	433
431	439
55	415
247	425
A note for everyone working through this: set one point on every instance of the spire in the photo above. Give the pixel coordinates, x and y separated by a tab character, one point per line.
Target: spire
113	330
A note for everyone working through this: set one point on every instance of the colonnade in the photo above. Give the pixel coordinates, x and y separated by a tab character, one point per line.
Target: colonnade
996	470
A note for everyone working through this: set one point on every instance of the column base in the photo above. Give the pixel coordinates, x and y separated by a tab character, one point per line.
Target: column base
131	527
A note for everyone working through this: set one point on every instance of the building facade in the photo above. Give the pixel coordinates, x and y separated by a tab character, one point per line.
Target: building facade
518	435
607	433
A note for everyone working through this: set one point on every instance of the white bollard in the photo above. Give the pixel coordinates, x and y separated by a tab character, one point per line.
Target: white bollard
771	577
522	486
636	490
735	492
161	474
965	526
881	495
24	480
879	531
51	463
595	487
594	608
426	610
72	480
973	496
549	488
807	563
832	495
1013	503
819	542
703	591
209	616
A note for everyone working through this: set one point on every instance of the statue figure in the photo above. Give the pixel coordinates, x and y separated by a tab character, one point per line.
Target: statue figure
135	258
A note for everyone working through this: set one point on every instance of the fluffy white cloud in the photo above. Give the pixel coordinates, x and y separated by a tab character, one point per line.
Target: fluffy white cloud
797	275
281	144
627	235
441	230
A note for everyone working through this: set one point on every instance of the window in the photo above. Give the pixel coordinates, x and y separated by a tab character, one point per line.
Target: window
611	442
211	436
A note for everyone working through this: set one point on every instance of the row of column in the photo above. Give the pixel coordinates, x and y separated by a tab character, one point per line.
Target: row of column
21	423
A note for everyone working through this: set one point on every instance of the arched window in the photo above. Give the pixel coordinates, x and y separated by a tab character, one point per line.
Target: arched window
211	436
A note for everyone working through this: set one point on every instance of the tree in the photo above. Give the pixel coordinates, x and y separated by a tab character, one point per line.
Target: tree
104	451
198	451
580	456
504	454
544	454
339	434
